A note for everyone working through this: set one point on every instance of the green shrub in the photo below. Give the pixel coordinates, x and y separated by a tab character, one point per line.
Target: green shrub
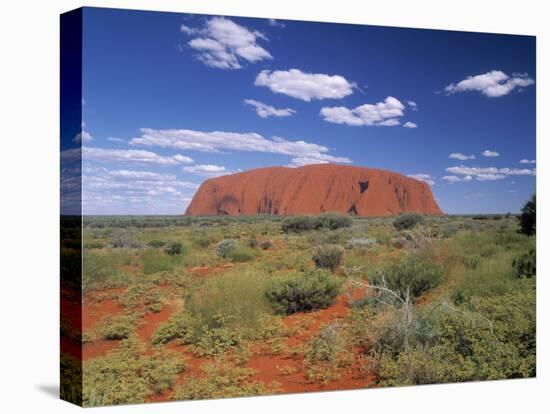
116	327
173	248
124	239
528	217
299	223
238	295
415	275
525	265
252	243
331	221
240	254
312	290
408	221
224	247
223	381
266	244
156	243
328	256
180	326
126	375
362	243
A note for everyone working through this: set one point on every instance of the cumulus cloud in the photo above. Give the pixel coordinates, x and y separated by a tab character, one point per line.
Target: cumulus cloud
492	84
83	137
490	154
452	178
380	114
485	173
122	156
108	191
461	156
526	161
265	111
412	105
217	141
410	124
115	139
317	158
305	86
208	170
427	178
224	44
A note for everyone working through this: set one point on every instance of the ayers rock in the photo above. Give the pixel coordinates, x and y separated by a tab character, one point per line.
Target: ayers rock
313	189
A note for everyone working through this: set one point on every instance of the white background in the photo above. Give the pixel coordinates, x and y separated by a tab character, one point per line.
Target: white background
29	131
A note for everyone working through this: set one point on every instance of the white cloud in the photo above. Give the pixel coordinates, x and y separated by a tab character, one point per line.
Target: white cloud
115	139
486	173
492	84
125	191
526	161
410	124
265	111
305	86
490	154
379	114
208	170
276	23
224	44
123	156
427	178
452	178
317	158
83	136
461	156
217	141
413	105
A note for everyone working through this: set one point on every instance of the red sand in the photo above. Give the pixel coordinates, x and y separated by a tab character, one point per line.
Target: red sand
313	189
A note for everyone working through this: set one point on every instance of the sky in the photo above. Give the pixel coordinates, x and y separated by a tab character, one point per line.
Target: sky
171	99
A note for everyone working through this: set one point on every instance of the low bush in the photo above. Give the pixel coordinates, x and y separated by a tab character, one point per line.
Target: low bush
124	239
223	381
266	244
173	248
127	376
525	265
240	254
328	256
179	326
224	247
364	243
408	221
415	275
116	327
331	221
252	243
94	245
312	290
156	243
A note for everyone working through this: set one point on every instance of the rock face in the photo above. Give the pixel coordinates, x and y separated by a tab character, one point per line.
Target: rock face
313	189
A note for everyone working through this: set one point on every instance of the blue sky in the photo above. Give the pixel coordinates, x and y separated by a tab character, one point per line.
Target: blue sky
172	99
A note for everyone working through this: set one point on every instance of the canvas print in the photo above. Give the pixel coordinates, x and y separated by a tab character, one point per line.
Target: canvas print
254	206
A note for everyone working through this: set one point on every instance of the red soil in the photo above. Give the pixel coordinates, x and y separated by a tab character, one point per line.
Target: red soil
267	366
150	323
313	189
92	312
97	349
